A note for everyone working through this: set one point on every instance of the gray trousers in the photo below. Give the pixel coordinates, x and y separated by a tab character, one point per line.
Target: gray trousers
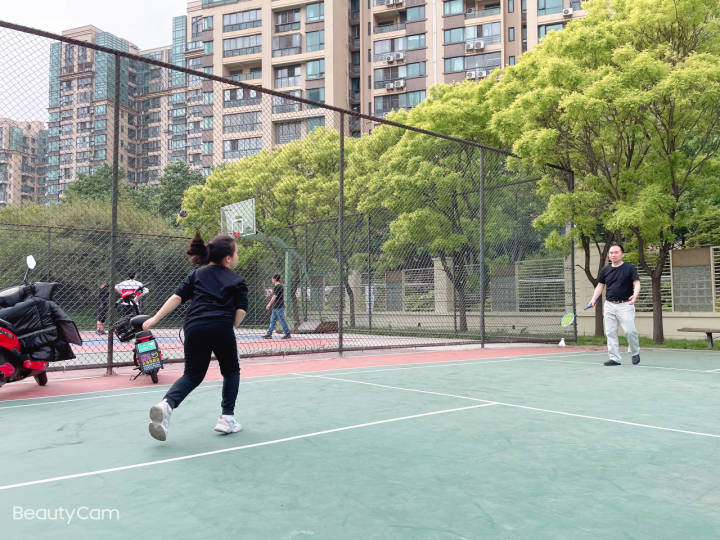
623	315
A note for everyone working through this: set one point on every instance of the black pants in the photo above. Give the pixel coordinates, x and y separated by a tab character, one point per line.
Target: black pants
202	338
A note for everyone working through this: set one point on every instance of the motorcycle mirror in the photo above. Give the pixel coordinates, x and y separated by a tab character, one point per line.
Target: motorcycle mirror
31	263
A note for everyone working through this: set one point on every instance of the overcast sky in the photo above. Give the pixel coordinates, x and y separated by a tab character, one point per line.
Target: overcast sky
24	60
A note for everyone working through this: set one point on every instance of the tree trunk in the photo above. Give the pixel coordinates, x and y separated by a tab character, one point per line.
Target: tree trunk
351	302
599	323
658	333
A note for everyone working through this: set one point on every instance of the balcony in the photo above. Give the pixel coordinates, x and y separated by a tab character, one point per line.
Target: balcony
290	51
354	16
354	42
476	13
354	96
246	76
242	52
354	69
381	29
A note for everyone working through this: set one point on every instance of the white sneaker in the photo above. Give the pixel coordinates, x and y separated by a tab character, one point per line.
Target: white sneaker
227	424
160	416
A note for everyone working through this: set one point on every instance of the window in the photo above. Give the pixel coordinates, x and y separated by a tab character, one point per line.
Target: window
194	95
548	7
287	131
415	13
490	32
85	82
511	60
66	100
242	45
315	69
208	23
177	113
177	129
102	124
207	98
237	123
454	35
100	154
284	105
242	20
174	99
312	123
315	94
82	142
286	45
384	104
511	6
545	28
315	41
382	75
66	129
207	122
487	61
66	85
454	65
511	33
287	76
177	144
315	12
208	47
101	110
416	41
83	112
287	20
240	97
453	7
240	148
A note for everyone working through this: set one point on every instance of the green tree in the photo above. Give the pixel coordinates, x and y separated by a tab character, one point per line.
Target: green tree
95	186
165	198
629	98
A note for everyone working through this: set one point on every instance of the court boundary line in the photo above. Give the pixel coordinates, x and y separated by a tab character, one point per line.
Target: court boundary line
527	407
639	366
242	447
277	378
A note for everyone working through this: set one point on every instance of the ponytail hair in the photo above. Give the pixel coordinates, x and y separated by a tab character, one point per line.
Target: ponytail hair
214	251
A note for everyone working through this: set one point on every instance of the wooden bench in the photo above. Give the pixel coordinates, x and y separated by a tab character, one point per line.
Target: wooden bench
707	331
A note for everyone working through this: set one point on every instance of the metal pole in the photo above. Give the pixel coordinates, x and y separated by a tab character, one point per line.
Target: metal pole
49	260
306	285
572	267
482	248
113	225
341	225
369	285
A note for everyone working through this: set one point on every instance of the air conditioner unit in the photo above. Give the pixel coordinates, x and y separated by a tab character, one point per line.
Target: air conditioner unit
481	74
470	75
479	45
469	11
567	12
390	3
400	56
390	58
469	45
389	86
400	83
398	2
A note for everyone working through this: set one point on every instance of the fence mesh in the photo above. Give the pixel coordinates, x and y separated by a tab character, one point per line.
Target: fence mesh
385	236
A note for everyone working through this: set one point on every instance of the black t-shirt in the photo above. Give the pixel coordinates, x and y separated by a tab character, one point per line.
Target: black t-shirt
216	293
278	292
618	280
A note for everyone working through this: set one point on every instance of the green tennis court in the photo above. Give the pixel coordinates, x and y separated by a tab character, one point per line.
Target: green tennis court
553	446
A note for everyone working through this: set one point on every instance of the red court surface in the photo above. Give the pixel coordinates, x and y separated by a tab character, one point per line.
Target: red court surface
74	382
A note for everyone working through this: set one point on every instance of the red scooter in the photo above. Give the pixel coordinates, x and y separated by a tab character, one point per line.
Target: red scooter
33	330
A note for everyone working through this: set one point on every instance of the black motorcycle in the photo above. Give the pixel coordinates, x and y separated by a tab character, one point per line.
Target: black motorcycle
34	330
146	352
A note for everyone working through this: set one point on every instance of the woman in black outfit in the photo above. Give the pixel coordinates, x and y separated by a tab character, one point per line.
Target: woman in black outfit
219	302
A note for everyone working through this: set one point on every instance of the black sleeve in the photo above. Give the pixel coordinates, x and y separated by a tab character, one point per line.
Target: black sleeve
185	290
634	273
241	295
602	275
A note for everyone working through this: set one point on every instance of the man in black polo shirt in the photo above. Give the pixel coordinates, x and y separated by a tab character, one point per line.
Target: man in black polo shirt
277	305
623	287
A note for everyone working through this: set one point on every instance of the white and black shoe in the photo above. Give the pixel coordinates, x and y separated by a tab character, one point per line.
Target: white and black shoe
227	424
160	419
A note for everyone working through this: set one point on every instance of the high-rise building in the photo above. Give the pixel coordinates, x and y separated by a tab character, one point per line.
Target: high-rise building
370	56
23	162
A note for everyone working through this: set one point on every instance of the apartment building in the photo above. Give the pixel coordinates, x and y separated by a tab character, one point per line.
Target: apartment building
23	162
371	56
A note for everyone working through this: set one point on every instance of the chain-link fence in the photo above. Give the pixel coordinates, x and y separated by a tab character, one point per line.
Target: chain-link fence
385	235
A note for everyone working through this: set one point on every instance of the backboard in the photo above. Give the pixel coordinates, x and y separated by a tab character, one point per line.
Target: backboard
238	219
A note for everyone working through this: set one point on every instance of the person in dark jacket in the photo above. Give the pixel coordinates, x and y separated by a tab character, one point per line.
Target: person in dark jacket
219	301
101	308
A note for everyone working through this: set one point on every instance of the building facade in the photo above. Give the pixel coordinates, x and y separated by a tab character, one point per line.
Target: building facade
370	56
23	162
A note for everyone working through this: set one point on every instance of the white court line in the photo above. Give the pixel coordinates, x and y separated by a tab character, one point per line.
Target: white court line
271	378
515	405
638	366
236	448
204	386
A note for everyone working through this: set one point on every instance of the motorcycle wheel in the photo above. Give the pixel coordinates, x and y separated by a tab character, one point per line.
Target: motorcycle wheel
154	377
41	379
